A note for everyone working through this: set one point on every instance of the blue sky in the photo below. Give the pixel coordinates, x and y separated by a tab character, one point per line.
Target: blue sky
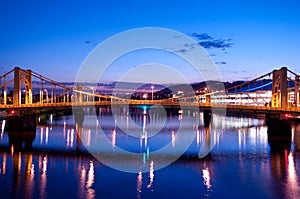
54	37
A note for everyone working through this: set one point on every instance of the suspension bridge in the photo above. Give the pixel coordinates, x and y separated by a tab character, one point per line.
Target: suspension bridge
276	94
277	90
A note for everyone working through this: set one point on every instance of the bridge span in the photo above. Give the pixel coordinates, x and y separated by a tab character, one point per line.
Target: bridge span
275	95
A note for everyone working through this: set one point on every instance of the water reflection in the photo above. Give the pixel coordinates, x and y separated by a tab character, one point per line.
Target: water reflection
43	162
78	138
70	137
292	185
28	175
42	139
139	180
87	181
16	172
244	155
151	176
19	141
283	163
113	138
3	166
139	183
206	178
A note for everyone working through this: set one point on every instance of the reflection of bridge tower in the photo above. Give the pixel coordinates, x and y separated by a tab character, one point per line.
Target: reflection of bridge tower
22	76
279	90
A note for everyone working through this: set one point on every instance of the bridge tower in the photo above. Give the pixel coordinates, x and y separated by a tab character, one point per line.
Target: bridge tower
79	97
279	88
22	76
207	96
297	90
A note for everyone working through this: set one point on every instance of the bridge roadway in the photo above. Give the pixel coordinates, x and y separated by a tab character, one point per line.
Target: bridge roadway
290	112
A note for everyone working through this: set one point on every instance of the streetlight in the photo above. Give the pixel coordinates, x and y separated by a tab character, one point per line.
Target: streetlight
152	87
46	95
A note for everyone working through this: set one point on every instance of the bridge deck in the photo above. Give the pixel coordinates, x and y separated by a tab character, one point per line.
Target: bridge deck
164	103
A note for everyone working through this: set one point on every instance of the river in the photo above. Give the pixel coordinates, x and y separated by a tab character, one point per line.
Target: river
141	154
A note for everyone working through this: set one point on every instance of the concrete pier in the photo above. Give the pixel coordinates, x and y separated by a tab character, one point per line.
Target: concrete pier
207	117
21	121
278	126
78	114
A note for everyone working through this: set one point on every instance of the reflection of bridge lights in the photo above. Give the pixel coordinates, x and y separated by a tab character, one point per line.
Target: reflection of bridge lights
3	169
151	175
144	110
292	185
2	127
91	177
146	138
206	177
173	138
198	137
88	142
44	167
12	149
139	182
41	135
82	179
70	137
43	176
47	132
113	138
180	117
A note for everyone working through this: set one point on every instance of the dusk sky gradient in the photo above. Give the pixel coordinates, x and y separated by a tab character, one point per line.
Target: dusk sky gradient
245	39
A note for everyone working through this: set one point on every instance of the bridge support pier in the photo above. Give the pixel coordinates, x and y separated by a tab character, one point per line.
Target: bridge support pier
207	117
21	121
278	126
78	114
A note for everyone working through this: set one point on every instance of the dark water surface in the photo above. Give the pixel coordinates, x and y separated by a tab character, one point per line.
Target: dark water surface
56	161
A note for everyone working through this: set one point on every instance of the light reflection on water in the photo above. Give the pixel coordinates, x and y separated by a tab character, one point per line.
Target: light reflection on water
243	163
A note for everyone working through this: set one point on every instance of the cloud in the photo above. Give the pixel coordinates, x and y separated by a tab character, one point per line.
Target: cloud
185	48
215	44
220	62
202	36
182	50
88	42
208	42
